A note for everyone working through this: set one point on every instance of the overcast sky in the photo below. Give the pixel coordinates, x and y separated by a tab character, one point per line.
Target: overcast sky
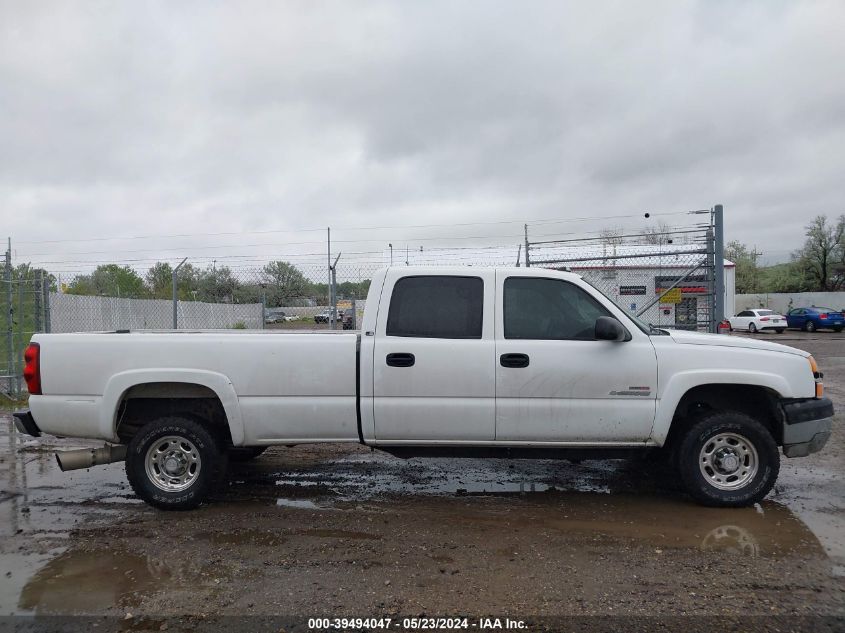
144	118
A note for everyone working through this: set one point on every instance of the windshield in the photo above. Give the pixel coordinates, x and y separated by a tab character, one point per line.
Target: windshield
764	312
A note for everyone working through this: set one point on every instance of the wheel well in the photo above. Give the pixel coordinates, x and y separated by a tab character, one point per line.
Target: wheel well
755	401
149	401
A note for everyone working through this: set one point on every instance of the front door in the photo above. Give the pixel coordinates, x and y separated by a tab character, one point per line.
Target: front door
554	381
433	363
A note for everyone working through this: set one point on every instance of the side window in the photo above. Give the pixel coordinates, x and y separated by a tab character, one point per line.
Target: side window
436	307
549	309
746	313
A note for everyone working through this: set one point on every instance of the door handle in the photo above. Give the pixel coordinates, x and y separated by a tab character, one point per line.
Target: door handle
400	359
515	361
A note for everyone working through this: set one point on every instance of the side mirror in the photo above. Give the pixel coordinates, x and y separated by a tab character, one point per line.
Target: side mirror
609	329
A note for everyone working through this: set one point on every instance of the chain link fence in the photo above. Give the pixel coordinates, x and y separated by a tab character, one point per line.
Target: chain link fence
665	278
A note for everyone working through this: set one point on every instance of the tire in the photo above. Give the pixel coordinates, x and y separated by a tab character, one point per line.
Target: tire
837	329
809	326
779	330
200	462
708	479
246	454
752	328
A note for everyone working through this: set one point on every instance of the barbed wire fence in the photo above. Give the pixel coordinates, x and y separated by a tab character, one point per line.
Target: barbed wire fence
668	276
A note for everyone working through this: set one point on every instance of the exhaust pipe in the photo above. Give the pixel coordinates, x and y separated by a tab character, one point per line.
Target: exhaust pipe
87	457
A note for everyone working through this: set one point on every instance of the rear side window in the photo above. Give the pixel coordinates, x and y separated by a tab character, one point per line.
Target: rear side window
436	307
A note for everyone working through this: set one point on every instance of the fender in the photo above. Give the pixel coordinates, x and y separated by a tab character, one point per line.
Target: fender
680	383
118	385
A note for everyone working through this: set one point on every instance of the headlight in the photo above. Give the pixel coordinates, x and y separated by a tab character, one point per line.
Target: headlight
817	376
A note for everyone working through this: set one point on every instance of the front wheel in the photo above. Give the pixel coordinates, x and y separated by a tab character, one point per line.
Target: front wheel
173	463
728	459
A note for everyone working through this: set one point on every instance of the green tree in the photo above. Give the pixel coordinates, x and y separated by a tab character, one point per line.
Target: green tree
216	285
284	284
745	260
110	280
159	279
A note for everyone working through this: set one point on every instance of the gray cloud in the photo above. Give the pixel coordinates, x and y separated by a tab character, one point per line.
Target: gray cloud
148	118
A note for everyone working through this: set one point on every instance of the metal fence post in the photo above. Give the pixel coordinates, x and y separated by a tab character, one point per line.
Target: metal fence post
719	270
21	314
10	345
527	262
37	284
354	314
263	307
45	289
713	325
176	294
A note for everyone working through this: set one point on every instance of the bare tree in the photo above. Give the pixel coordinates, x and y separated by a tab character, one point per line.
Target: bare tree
822	258
657	234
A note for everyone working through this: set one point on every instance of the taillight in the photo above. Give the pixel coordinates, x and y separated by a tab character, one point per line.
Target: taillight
823	316
764	318
32	369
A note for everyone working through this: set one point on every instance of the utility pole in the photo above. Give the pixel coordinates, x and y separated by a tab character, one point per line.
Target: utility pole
329	260
176	294
527	263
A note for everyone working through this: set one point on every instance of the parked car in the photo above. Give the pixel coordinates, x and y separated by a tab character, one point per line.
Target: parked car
758	320
326	315
347	319
814	318
275	316
507	362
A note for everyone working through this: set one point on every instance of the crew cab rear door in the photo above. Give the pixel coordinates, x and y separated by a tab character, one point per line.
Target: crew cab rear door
434	358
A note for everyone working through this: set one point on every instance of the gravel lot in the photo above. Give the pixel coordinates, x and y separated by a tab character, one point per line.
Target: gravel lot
337	530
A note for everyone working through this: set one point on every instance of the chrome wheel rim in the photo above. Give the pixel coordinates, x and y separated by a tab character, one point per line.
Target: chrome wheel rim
173	463
728	461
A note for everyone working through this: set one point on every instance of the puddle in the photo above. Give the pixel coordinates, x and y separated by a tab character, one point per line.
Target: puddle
596	502
304	504
368	476
82	582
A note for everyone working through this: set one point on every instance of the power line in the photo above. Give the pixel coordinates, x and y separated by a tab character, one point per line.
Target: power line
536	222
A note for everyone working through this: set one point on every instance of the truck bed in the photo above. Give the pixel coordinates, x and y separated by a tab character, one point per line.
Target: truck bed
289	386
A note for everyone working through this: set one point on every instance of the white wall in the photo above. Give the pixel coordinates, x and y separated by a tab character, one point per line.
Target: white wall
77	313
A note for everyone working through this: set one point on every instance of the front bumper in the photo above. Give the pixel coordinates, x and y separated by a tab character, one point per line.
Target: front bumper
25	423
806	426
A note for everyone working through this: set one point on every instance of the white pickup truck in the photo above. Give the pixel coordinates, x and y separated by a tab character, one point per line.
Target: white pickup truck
519	362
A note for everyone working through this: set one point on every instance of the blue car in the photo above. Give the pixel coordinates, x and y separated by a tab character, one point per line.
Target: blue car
815	318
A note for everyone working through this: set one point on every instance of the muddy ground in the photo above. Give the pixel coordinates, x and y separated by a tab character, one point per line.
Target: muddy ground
340	531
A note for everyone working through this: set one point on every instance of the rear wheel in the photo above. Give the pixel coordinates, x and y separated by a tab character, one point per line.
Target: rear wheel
779	330
837	329
752	328
809	326
173	463
728	459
